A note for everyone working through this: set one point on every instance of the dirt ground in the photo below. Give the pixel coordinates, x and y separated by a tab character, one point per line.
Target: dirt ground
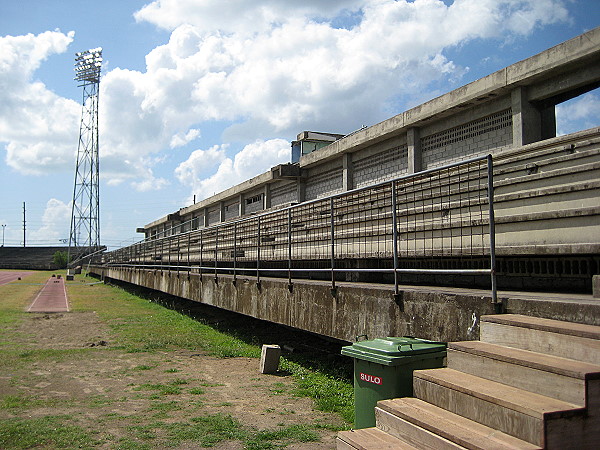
114	394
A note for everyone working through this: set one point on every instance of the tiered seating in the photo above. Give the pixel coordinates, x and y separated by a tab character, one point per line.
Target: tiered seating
37	258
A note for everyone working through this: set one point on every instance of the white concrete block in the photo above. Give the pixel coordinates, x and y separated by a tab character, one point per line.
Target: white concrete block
269	358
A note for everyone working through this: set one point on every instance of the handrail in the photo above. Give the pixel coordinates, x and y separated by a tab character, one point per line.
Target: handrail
439	211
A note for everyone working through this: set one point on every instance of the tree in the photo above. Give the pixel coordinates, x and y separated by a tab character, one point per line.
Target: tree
60	259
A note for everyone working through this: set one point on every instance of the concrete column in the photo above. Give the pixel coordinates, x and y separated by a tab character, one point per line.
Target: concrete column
301	190
527	120
548	119
205	216
221	211
413	142
241	205
267	197
347	172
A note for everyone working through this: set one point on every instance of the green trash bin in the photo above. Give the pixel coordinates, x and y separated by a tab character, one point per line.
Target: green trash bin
383	369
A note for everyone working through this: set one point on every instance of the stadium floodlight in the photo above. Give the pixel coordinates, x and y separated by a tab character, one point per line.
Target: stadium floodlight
84	236
88	65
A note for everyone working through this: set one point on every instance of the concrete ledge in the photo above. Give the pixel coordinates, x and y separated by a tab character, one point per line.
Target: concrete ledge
445	314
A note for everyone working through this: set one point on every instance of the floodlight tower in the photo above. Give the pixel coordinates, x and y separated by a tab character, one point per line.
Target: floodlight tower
84	236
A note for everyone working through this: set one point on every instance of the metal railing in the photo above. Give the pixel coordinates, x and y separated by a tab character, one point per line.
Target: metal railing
438	214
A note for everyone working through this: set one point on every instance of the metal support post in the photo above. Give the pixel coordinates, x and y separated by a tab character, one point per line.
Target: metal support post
395	237
492	225
258	253
216	252
289	233
234	253
331	207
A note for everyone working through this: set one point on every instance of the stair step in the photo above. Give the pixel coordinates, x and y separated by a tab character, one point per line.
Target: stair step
552	337
560	378
416	421
526	415
369	439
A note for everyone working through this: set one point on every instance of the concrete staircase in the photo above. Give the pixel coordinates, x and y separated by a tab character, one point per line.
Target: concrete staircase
528	383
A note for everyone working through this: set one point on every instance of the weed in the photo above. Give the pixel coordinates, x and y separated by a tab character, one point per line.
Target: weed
197	391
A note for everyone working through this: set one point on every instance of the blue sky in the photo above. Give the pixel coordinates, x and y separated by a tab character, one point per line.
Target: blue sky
199	95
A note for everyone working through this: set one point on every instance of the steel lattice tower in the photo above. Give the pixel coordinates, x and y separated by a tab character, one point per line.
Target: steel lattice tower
84	236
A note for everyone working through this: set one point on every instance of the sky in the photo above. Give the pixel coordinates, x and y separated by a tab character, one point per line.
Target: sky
199	95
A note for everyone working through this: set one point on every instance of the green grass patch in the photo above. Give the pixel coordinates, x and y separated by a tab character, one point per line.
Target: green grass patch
212	429
19	402
207	430
47	432
330	394
266	439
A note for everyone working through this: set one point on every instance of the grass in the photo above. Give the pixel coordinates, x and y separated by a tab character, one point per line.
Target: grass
147	326
211	429
48	432
139	325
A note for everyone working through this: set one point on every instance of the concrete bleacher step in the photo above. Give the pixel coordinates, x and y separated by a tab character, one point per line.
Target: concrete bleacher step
427	426
561	378
552	337
532	417
370	439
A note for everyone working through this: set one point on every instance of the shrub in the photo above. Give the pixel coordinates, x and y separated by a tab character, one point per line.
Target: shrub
60	259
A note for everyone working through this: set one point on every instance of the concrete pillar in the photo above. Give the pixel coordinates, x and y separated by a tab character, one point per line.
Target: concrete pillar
269	358
242	205
221	211
267	197
413	142
301	190
531	123
548	118
347	172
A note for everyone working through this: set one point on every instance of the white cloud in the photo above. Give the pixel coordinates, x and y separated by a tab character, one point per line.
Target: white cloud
38	127
270	68
56	222
237	16
583	110
181	139
252	160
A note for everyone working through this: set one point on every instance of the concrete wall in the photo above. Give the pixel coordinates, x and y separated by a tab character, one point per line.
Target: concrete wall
355	309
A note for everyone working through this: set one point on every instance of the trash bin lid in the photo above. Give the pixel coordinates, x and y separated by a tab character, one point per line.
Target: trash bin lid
393	351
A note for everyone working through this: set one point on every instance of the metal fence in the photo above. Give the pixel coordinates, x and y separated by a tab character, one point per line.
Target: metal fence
441	214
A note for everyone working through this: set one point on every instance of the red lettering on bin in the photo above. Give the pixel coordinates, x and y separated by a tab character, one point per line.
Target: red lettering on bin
370	378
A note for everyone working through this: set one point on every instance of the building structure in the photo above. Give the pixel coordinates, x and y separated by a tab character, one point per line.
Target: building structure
510	114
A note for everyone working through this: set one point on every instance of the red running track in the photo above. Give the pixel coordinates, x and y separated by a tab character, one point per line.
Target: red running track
8	277
52	297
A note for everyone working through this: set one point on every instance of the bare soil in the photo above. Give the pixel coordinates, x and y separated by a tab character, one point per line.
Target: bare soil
112	393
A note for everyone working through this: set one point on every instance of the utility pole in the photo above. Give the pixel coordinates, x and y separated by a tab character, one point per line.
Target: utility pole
84	235
3	227
24	222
